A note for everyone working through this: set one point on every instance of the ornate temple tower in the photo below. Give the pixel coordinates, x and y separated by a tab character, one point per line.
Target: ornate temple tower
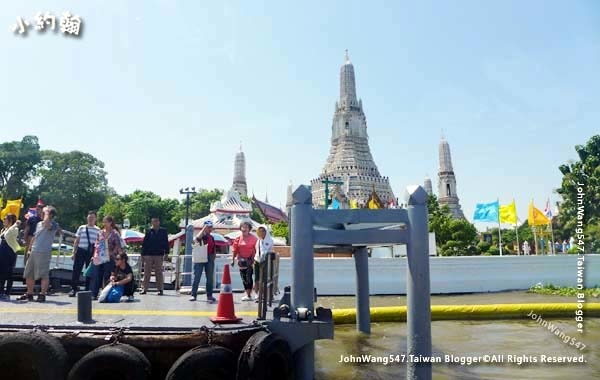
447	182
350	159
239	174
289	202
427	185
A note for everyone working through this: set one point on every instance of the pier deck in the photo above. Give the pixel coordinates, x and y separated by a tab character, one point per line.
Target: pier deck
149	310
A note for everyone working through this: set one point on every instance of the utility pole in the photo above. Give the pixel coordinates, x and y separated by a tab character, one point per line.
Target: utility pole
187	193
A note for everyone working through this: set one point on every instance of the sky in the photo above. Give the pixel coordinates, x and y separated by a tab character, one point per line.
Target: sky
164	92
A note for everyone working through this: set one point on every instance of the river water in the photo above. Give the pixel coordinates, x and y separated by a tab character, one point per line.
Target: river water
465	338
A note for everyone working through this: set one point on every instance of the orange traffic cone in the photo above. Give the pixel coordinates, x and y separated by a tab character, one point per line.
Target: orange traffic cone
225	312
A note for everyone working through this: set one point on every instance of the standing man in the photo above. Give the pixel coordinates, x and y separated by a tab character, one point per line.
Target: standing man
209	267
38	265
83	249
30	227
154	248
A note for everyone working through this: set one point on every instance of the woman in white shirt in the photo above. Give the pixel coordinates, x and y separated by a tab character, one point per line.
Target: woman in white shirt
264	244
8	254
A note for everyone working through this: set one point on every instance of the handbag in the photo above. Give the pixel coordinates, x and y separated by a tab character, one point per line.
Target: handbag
200	253
104	293
115	294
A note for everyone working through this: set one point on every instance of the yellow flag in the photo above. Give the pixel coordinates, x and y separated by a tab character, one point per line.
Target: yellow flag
372	204
508	213
353	203
12	207
535	217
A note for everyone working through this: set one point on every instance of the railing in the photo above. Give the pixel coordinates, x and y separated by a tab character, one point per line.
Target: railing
268	278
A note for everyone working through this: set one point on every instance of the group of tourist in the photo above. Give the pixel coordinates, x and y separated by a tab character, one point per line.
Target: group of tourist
249	251
101	252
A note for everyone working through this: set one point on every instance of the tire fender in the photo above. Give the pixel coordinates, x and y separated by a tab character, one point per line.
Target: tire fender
204	363
106	361
265	356
32	355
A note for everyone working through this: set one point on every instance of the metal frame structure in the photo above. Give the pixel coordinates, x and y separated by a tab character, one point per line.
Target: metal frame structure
296	318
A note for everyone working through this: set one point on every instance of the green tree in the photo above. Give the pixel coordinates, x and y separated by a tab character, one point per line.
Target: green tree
199	204
439	219
18	162
140	206
463	235
280	229
115	207
74	182
580	191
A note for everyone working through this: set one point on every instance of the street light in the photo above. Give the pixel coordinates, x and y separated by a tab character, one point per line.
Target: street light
187	191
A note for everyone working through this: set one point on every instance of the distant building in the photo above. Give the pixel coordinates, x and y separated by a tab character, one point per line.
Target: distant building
428	186
447	181
350	160
239	174
271	213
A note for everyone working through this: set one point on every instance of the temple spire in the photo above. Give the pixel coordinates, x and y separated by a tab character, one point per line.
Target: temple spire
239	173
347	84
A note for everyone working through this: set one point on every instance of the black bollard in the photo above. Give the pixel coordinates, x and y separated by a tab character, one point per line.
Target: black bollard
84	307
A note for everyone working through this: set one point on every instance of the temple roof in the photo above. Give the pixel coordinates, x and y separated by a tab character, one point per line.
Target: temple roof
271	213
231	203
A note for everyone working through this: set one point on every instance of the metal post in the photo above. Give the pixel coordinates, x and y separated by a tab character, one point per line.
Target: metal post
84	307
303	273
187	259
417	285
363	312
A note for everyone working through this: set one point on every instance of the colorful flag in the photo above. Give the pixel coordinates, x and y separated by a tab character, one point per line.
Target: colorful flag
353	203
12	207
374	201
486	212
335	204
548	210
535	217
508	213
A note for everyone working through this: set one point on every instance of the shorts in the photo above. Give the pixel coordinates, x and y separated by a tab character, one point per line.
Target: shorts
38	266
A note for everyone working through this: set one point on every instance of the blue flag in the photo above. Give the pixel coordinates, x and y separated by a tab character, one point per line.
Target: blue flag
335	204
486	212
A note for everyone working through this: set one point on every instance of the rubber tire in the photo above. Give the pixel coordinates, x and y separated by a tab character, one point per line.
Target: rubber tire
112	361
265	356
32	356
204	363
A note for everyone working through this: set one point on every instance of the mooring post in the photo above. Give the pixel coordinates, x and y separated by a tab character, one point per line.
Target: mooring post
418	301
363	312
187	260
303	275
84	306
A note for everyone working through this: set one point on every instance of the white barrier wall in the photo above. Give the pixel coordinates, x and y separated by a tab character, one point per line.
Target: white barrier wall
466	274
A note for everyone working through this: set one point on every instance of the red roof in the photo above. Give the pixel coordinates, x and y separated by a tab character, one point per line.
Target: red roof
271	213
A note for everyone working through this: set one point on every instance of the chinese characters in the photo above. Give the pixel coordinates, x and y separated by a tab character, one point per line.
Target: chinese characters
69	24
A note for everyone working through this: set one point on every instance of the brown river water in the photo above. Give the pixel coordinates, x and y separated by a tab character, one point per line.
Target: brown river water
520	341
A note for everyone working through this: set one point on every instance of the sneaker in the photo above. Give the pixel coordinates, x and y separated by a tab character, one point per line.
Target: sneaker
4	297
211	300
246	298
72	293
143	291
41	298
192	298
130	299
160	292
26	297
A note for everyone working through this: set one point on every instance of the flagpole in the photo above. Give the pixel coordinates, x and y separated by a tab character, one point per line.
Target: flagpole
517	232
499	229
552	233
536	241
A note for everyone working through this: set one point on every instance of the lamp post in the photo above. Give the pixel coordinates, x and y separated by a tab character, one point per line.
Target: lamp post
187	260
187	193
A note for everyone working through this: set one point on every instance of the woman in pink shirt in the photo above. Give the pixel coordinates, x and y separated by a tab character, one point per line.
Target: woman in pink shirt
244	248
